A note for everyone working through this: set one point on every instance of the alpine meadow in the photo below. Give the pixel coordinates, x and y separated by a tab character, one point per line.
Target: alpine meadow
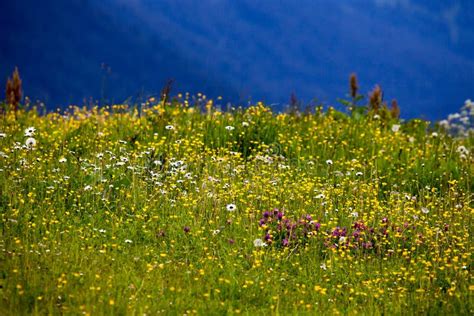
179	206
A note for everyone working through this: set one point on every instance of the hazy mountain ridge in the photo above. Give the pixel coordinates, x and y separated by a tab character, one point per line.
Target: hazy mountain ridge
67	44
248	50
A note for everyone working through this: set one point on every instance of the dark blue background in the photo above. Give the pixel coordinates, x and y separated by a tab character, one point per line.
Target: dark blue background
420	52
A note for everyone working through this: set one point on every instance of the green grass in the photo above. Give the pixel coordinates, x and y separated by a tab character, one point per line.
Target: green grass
104	231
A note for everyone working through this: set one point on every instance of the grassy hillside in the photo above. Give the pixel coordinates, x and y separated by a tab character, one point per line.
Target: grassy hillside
180	208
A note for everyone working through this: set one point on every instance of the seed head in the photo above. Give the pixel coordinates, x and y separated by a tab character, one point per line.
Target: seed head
353	85
395	110
13	91
376	97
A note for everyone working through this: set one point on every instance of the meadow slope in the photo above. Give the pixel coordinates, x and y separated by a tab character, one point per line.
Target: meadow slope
181	208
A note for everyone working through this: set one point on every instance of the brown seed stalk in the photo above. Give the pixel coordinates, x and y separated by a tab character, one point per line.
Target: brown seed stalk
353	85
376	98
13	91
395	109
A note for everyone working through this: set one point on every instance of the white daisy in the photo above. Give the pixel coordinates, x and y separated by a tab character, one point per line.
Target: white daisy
462	150
30	131
395	128
30	142
259	243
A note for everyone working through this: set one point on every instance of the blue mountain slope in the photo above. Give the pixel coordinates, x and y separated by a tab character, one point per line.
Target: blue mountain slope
60	47
421	52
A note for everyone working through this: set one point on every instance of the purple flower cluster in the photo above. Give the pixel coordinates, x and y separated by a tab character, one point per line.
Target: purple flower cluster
361	237
281	231
284	232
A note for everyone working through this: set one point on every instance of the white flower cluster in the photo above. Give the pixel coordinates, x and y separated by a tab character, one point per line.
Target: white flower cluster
30	142
460	124
463	152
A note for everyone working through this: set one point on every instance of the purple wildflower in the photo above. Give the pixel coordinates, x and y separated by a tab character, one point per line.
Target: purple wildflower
317	226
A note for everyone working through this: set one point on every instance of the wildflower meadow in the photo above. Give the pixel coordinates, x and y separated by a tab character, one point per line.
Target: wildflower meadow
184	207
